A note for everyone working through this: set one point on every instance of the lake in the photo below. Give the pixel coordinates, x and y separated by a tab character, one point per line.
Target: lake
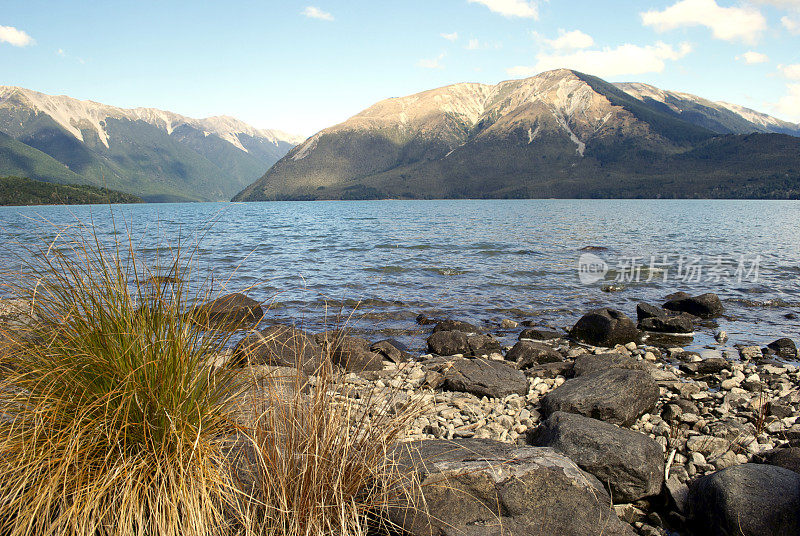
378	264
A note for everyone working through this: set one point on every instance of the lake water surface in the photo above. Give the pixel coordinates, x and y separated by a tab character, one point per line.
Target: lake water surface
475	260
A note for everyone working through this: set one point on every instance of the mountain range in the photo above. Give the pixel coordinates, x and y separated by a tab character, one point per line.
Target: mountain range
561	133
154	154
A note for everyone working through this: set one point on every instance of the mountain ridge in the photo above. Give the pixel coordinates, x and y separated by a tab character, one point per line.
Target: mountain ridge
157	154
474	139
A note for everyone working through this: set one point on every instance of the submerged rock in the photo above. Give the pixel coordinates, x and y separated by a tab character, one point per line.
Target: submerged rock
704	306
456	325
537	334
230	309
784	347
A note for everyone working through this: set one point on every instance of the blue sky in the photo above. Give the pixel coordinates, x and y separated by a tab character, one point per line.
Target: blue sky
302	66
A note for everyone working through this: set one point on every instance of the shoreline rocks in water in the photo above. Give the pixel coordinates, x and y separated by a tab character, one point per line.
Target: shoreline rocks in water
555	435
662	433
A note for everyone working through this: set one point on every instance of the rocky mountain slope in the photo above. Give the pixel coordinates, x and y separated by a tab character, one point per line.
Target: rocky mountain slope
559	134
157	154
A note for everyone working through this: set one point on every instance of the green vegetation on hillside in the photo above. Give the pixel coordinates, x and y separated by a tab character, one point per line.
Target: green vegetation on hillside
754	166
22	191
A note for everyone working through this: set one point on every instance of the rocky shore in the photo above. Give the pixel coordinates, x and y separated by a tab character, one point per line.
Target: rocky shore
602	430
627	435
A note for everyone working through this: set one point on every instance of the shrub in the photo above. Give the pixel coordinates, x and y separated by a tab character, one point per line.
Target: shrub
112	421
318	456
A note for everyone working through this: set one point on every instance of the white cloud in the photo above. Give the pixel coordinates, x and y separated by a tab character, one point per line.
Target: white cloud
791	23
473	44
316	13
625	59
783	4
789	104
15	37
60	52
792	72
450	36
573	40
434	63
511	8
752	57
727	23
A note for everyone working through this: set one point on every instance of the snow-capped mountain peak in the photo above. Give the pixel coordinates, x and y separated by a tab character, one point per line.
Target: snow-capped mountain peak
75	116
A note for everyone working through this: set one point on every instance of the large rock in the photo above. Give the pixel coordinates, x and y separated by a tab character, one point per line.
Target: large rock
784	347
788	458
667	324
645	310
528	353
353	354
456	325
262	385
449	343
537	334
746	500
605	327
705	306
486	488
391	350
230	309
483	377
618	396
588	363
630	463
279	345
480	344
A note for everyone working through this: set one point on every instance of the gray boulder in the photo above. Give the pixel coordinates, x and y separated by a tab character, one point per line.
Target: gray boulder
588	363
262	385
784	347
705	306
480	344
618	396
279	345
449	343
353	354
456	325
391	351
605	327
528	353
746	500
483	377
537	334
788	458
645	310
486	488
230	309
629	463
667	324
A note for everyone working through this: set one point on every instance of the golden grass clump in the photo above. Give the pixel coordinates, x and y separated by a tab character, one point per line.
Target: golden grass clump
318	457
111	422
